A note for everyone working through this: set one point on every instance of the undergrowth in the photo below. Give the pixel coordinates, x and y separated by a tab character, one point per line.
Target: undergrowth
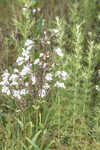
50	95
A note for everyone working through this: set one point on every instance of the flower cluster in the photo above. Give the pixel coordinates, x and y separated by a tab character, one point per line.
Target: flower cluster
59	52
97	88
32	76
26	7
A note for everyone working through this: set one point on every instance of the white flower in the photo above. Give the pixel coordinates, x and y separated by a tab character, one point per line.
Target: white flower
42	93
13	77
48	42
36	61
13	83
97	88
48	77
45	32
34	10
6	90
5	75
25	52
46	86
41	55
63	75
28	42
20	60
55	31
24	9
16	93
29	47
60	84
33	78
44	65
23	92
27	57
16	70
26	70
59	52
26	84
4	82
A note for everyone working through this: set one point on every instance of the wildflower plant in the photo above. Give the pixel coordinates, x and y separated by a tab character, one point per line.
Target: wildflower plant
34	75
54	81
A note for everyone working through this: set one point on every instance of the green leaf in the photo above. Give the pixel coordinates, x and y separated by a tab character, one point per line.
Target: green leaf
39	27
33	141
36	136
24	146
32	144
20	123
48	146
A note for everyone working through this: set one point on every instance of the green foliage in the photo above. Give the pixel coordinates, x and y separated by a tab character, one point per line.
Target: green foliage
67	119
